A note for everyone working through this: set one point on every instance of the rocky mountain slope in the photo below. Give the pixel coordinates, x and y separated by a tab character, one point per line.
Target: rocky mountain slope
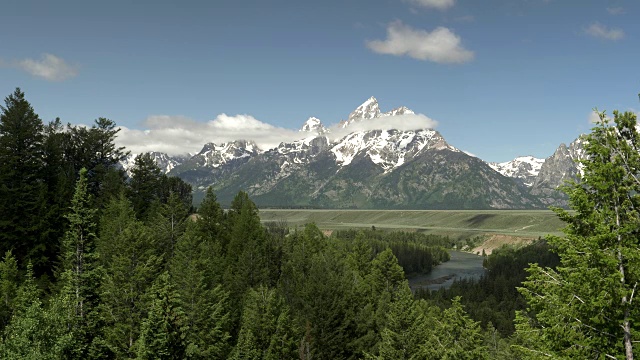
524	169
382	168
558	168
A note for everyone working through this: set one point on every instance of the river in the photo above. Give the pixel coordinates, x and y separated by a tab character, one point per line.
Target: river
462	265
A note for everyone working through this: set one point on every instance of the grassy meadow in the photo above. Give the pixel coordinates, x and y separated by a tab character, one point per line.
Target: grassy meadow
455	223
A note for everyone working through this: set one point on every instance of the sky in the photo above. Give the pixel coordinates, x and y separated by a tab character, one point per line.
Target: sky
500	78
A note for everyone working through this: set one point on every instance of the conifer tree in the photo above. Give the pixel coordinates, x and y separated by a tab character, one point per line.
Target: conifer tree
205	306
144	185
94	148
163	333
405	329
266	331
22	191
127	253
80	274
246	260
168	222
586	307
37	331
211	227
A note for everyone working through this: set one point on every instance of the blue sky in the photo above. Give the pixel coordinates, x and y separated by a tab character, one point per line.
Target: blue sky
501	77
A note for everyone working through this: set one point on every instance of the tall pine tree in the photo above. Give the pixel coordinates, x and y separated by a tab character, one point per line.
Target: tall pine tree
22	190
81	277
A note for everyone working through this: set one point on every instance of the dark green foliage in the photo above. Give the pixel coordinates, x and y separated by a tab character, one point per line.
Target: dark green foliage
144	185
267	330
94	149
585	307
417	253
37	331
211	227
80	276
22	190
174	186
163	332
167	222
204	303
130	263
246	255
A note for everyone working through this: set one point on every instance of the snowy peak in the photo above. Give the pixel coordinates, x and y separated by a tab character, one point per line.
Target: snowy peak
388	149
402	110
371	110
213	155
368	110
523	168
313	125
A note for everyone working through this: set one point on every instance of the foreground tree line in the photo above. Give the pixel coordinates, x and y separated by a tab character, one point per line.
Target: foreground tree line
98	264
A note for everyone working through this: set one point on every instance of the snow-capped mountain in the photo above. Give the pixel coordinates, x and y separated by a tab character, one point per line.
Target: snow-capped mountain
314	125
383	168
214	156
368	110
402	110
388	149
523	168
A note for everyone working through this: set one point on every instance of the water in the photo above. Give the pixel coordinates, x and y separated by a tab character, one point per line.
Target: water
461	266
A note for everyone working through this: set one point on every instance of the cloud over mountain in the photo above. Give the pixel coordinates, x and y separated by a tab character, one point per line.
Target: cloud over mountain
176	135
180	135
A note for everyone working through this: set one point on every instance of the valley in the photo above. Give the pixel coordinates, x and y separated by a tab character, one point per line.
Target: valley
497	226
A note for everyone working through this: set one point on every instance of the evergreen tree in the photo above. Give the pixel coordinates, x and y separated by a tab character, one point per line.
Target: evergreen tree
405	329
22	190
35	331
246	254
163	333
585	308
59	176
168	222
127	254
266	330
211	227
80	275
457	336
94	149
144	185
205	306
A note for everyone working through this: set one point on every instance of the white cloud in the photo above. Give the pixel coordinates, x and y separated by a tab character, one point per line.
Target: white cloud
601	31
49	67
440	45
434	4
615	10
398	122
177	135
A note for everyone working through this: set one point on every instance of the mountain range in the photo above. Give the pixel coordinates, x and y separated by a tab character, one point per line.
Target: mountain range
372	169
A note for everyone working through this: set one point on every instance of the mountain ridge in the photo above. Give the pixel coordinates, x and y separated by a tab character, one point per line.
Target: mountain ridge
381	168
